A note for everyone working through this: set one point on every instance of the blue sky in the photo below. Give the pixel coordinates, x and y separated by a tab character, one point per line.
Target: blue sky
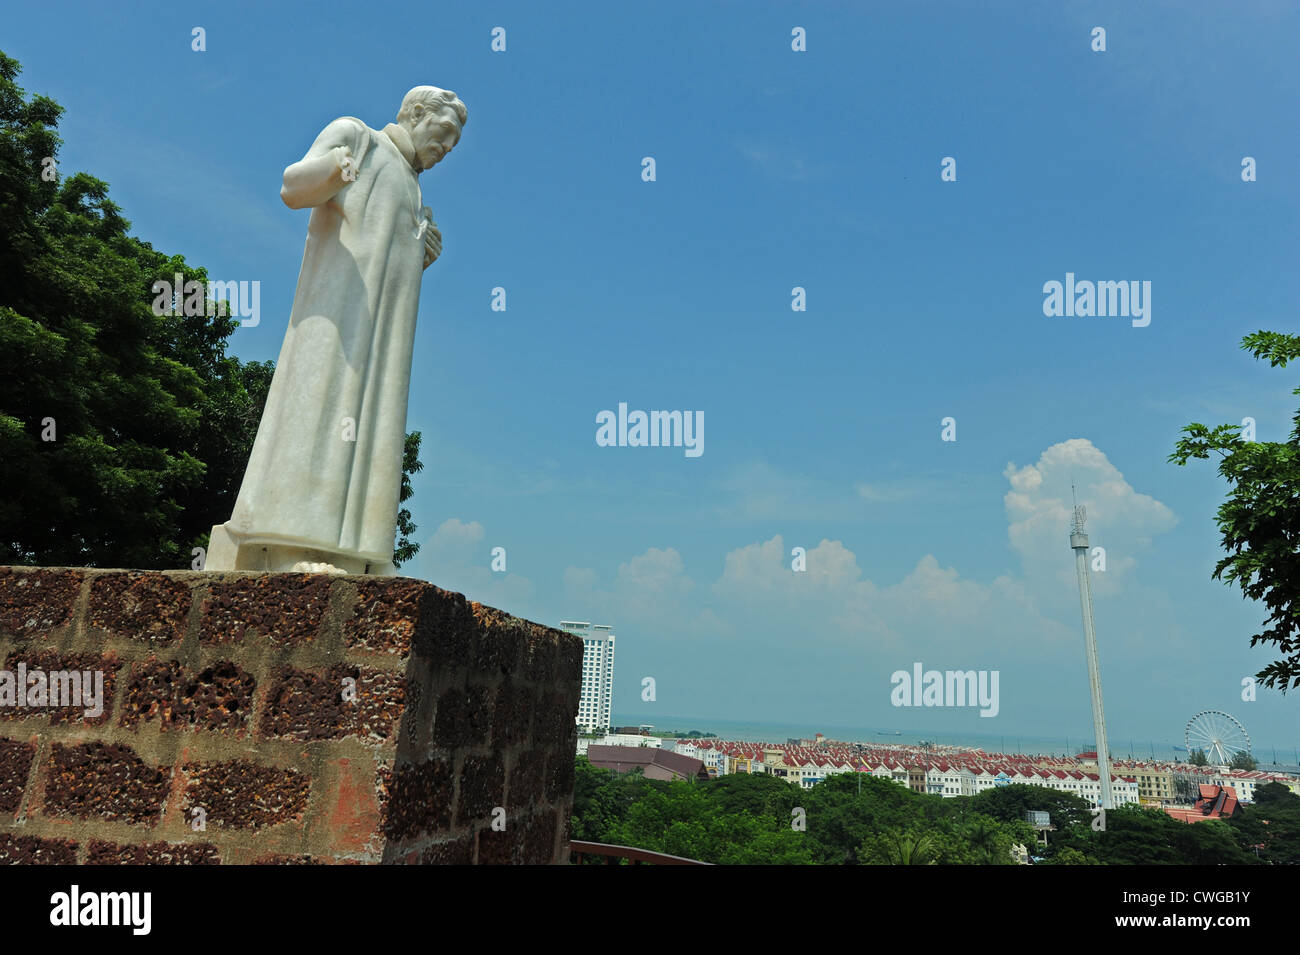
776	169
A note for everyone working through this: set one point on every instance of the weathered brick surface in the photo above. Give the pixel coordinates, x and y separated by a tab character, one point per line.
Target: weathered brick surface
539	838
15	763
280	859
417	799
539	662
343	701
101	852
446	630
454	852
106	781
58	668
482	788
142	606
218	697
283	608
32	603
499	847
559	775
33	850
282	719
512	715
353	789
242	794
528	779
554	726
501	639
464	718
385	616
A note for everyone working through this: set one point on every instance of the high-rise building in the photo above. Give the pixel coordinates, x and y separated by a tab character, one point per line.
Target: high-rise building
597	673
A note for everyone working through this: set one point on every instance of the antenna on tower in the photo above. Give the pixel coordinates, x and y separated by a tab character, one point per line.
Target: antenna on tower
1080	511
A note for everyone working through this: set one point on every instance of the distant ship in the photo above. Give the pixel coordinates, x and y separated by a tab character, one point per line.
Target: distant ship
891	733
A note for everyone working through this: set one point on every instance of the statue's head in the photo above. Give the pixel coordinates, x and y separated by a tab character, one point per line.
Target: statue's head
434	119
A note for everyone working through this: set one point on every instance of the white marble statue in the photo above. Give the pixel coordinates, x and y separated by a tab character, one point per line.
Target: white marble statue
321	490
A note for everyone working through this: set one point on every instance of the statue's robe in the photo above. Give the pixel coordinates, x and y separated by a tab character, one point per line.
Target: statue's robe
326	468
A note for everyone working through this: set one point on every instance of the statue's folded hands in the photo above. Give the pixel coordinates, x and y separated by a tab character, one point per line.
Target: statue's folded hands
432	245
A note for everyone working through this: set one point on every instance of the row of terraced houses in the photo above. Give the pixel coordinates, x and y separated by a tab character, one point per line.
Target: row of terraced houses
967	772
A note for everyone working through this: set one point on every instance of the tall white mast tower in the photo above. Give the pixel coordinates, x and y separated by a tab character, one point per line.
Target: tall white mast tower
1079	543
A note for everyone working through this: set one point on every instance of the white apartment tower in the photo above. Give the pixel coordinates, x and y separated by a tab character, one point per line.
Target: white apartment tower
597	673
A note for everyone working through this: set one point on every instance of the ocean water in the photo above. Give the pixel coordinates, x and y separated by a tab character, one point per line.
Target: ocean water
777	732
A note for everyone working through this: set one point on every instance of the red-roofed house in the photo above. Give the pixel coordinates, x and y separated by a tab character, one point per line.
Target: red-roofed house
655	763
1216	802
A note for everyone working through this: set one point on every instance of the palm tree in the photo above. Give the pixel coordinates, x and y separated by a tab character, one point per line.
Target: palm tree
983	838
912	848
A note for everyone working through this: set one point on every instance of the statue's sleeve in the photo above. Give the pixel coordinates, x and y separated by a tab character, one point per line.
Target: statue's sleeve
335	156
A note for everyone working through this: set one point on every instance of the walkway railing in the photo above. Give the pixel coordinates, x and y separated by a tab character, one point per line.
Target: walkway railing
614	855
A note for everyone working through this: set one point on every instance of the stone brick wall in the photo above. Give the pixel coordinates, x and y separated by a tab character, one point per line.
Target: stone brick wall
283	719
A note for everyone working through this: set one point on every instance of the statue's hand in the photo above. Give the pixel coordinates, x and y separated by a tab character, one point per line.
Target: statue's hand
432	244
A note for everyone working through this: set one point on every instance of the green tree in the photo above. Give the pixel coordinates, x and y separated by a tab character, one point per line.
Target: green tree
603	798
1069	856
1137	836
844	810
411	464
683	820
1198	758
756	794
1009	804
99	413
1242	760
986	841
1269	828
124	435
910	847
1260	520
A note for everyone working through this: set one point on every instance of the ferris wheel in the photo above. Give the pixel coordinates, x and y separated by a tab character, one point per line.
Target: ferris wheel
1218	735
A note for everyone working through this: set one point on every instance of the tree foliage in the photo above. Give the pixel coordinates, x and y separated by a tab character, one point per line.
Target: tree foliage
1243	760
1269	828
124	435
858	819
1260	520
121	431
405	548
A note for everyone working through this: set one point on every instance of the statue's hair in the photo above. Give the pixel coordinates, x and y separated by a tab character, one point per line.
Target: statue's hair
431	97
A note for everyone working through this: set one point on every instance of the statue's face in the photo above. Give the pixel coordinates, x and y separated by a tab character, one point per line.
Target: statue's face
434	135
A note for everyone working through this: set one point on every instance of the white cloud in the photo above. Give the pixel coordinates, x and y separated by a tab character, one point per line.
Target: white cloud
649	589
765	569
1039	509
851	629
454	538
932	608
457	557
